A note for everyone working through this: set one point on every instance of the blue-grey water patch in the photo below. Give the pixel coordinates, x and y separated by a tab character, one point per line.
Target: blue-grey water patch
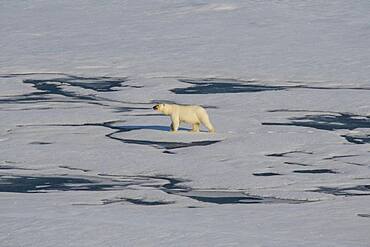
295	163
357	139
332	121
358	190
73	168
229	85
137	201
40	143
364	215
115	182
12	167
98	84
288	153
234	197
229	199
328	121
315	171
221	86
39	184
357	164
131	108
113	124
103	182
334	157
61	84
266	174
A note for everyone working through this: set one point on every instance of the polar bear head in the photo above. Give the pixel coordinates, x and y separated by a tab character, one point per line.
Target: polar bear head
163	108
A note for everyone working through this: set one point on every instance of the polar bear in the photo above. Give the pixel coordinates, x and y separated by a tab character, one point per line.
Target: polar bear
192	114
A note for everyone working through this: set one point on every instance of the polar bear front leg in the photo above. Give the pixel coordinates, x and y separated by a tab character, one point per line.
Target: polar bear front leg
175	123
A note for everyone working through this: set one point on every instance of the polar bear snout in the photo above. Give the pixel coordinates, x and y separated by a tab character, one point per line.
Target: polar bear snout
159	107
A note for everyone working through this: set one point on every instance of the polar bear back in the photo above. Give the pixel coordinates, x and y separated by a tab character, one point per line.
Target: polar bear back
189	113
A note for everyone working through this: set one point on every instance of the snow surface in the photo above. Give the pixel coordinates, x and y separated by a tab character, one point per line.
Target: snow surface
85	161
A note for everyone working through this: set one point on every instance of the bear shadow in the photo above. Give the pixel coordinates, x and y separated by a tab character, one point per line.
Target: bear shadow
157	144
128	128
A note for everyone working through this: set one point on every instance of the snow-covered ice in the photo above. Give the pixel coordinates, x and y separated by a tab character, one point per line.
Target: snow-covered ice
85	161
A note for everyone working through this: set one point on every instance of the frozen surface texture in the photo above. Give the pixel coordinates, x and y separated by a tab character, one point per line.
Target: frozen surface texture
85	161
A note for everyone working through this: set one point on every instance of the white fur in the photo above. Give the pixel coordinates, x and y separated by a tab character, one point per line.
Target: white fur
192	114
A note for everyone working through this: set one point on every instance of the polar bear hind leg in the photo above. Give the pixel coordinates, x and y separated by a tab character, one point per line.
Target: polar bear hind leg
196	127
206	122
